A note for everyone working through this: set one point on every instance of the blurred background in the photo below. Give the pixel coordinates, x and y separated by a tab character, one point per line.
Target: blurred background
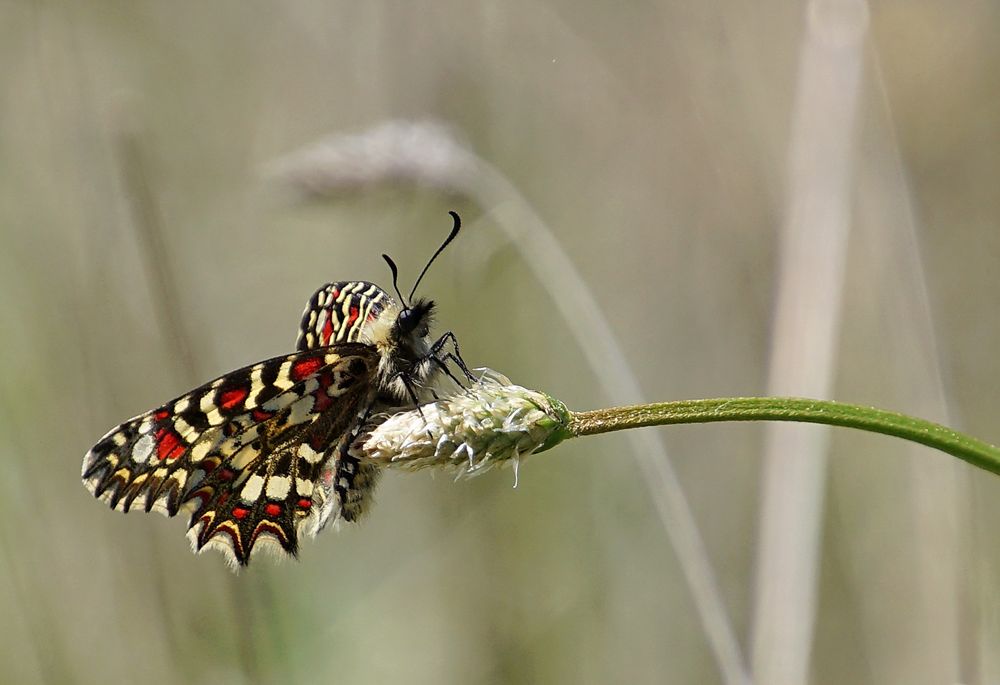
662	200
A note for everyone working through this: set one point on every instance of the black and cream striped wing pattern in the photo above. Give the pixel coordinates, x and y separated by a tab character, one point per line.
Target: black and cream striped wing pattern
341	312
258	456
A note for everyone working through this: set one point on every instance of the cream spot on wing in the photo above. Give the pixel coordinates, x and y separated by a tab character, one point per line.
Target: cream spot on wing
243	457
207	406
278	487
200	450
321	320
309	454
284	379
256	384
143	448
251	491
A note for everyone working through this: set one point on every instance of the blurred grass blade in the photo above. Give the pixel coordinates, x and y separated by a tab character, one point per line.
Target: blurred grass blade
428	154
813	244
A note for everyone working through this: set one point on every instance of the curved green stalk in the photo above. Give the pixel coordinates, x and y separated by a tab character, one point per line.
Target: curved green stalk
965	447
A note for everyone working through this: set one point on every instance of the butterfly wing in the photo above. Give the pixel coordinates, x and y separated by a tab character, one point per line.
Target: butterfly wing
340	312
253	454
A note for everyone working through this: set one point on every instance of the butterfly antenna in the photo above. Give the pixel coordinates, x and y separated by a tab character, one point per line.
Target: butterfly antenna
395	278
451	236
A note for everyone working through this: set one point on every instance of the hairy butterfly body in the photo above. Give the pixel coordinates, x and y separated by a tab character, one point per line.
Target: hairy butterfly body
267	452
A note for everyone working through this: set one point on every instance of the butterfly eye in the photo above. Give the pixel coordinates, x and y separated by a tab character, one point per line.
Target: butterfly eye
415	319
407	320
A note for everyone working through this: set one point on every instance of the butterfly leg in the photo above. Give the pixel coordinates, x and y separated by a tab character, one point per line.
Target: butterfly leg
454	356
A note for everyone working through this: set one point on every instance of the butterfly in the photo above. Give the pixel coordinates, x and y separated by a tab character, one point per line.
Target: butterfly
269	452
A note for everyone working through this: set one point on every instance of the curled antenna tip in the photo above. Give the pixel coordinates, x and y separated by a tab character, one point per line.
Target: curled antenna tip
395	277
451	236
454	229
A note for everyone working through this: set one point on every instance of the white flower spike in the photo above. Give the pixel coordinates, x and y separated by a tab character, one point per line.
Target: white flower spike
490	423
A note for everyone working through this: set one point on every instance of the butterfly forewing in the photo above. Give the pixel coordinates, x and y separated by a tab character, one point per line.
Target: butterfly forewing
253	454
340	312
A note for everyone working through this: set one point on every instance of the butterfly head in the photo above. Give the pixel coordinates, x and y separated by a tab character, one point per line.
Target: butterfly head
404	343
402	336
413	322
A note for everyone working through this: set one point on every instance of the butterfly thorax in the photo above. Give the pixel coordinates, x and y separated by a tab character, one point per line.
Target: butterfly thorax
359	311
402	337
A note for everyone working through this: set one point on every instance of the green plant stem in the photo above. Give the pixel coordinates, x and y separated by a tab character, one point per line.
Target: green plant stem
965	447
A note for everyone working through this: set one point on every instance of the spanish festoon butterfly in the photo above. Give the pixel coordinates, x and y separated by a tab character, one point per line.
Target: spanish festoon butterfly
268	452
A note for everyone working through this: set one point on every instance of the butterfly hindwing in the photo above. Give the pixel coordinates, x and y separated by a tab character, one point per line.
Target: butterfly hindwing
246	452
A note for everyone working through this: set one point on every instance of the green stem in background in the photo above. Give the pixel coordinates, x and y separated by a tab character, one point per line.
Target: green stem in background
965	447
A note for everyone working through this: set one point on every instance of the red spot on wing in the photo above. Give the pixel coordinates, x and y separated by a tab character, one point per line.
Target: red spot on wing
353	317
336	293
161	414
327	331
304	503
305	368
272	509
226	474
169	445
321	398
259	415
240	513
321	401
233	397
